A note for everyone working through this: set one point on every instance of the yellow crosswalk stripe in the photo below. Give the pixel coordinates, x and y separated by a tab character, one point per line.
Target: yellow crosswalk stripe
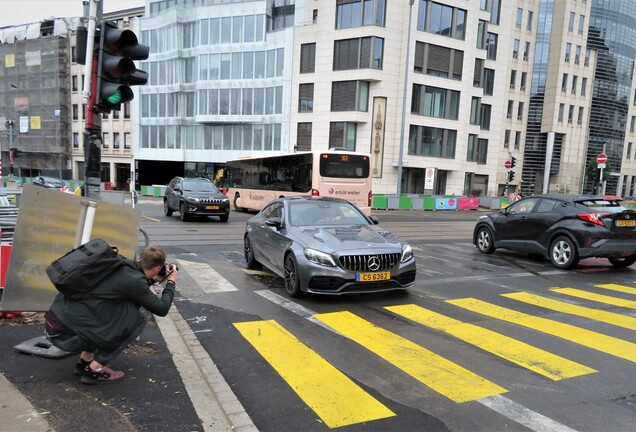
587	338
532	358
336	399
559	306
443	376
619	288
614	301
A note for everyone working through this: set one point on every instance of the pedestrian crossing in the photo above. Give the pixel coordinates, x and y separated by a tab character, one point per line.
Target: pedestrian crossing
339	401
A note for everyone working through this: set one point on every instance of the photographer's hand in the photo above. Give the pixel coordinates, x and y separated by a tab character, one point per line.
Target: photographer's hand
173	273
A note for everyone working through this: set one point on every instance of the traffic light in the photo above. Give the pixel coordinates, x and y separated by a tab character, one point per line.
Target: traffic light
513	162
511	175
116	71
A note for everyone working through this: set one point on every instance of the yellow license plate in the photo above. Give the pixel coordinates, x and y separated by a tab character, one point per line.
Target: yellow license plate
626	223
212	207
372	277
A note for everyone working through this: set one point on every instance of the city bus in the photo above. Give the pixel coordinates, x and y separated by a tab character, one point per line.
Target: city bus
253	182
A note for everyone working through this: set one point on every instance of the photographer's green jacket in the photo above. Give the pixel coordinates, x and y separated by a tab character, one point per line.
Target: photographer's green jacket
111	311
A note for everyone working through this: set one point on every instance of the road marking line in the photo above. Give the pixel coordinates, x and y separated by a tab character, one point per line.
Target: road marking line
443	376
206	277
335	398
619	288
587	338
614	301
559	306
527	356
523	415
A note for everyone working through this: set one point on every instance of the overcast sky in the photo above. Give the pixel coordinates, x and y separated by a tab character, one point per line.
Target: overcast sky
15	12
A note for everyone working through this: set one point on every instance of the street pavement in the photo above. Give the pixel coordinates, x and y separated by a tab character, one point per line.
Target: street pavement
170	384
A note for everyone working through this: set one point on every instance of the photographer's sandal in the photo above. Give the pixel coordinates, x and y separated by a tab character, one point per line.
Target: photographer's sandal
101	376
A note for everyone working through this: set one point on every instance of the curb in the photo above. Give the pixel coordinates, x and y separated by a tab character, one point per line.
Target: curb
18	414
212	398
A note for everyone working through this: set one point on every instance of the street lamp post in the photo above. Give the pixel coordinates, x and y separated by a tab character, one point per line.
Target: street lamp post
406	75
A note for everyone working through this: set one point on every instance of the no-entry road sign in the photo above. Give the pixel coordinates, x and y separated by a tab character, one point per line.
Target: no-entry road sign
601	159
507	164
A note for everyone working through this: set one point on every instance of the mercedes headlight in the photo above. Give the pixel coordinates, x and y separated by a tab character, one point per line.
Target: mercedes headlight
319	257
407	253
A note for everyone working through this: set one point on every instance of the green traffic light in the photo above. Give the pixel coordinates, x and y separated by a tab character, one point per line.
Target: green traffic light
115	98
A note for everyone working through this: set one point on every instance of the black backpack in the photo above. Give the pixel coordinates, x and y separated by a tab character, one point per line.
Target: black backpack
79	271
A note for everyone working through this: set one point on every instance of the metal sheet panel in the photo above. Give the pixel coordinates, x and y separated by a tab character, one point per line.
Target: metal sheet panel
48	224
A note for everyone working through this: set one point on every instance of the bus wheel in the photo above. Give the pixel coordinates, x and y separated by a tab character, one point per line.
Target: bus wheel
236	207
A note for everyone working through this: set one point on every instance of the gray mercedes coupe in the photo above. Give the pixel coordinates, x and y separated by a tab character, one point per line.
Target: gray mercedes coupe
327	246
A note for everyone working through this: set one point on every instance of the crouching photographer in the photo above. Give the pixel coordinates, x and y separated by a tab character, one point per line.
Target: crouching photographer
103	323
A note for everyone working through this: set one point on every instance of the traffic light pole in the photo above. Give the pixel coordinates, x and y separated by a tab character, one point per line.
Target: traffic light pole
93	127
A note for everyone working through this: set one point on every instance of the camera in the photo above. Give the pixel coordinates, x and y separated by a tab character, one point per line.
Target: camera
165	269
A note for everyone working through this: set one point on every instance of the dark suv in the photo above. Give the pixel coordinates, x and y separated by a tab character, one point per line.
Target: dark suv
195	197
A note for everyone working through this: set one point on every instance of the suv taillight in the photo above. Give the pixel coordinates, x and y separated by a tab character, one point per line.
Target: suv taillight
594	218
314	192
369	199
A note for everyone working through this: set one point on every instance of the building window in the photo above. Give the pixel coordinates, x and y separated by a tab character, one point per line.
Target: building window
105	140
507	138
520	110
491	46
519	18
517	140
359	53
303	137
475	103
568	50
513	78
478	73
577	55
308	58
574	83
127	110
526	51
438	61
75	139
116	114
564	83
588	53
522	84
441	19
629	151
477	149
484	116
510	109
350	96
561	112
430	141
583	86
356	13
74	54
74	82
489	81
306	97
482	34
115	140
515	48
579	119
127	140
75	112
314	17
632	124
581	24
571	22
343	134
435	102
529	20
571	114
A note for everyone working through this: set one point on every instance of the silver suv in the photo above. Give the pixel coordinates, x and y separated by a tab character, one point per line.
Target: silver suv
195	197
